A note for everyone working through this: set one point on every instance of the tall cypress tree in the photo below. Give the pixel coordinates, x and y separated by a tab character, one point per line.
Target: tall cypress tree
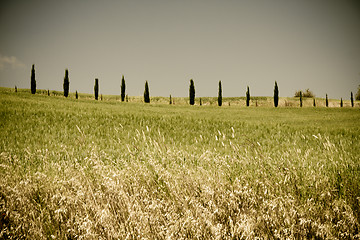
220	95
326	101
248	97
76	95
300	99
276	95
314	103
170	100
66	83
122	88
341	103
16	89
192	92
96	88
33	81
352	100
200	102
146	93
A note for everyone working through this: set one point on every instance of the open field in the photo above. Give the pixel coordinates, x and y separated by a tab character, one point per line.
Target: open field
104	169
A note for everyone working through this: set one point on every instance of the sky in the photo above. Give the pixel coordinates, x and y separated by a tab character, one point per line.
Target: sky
300	44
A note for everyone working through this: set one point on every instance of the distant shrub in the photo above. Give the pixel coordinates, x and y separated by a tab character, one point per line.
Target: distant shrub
123	88
146	93
66	83
248	97
96	88
192	92
276	95
306	94
33	81
42	91
220	95
127	98
357	96
56	93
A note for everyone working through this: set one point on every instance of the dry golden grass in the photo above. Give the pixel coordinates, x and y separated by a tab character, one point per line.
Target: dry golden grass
84	170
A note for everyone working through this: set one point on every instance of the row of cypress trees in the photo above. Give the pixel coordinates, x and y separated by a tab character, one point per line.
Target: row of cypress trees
327	100
192	95
66	87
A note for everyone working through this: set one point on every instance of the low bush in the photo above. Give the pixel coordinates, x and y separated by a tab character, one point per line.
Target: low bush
306	94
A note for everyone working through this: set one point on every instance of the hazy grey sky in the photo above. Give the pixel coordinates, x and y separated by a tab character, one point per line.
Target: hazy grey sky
299	43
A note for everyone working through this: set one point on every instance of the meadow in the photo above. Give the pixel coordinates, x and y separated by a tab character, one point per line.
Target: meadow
86	169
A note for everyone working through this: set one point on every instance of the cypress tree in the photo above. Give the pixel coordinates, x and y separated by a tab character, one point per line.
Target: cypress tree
123	88
276	95
33	81
66	83
192	92
101	97
352	100
341	103
300	99
200	102
146	93
327	101
170	100
48	92
96	88
248	97
16	89
314	103
127	98
220	95
76	95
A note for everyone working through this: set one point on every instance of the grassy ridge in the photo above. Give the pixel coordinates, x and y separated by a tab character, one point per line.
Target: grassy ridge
206	101
86	169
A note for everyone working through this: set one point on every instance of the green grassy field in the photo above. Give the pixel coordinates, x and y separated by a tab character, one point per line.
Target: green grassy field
104	169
